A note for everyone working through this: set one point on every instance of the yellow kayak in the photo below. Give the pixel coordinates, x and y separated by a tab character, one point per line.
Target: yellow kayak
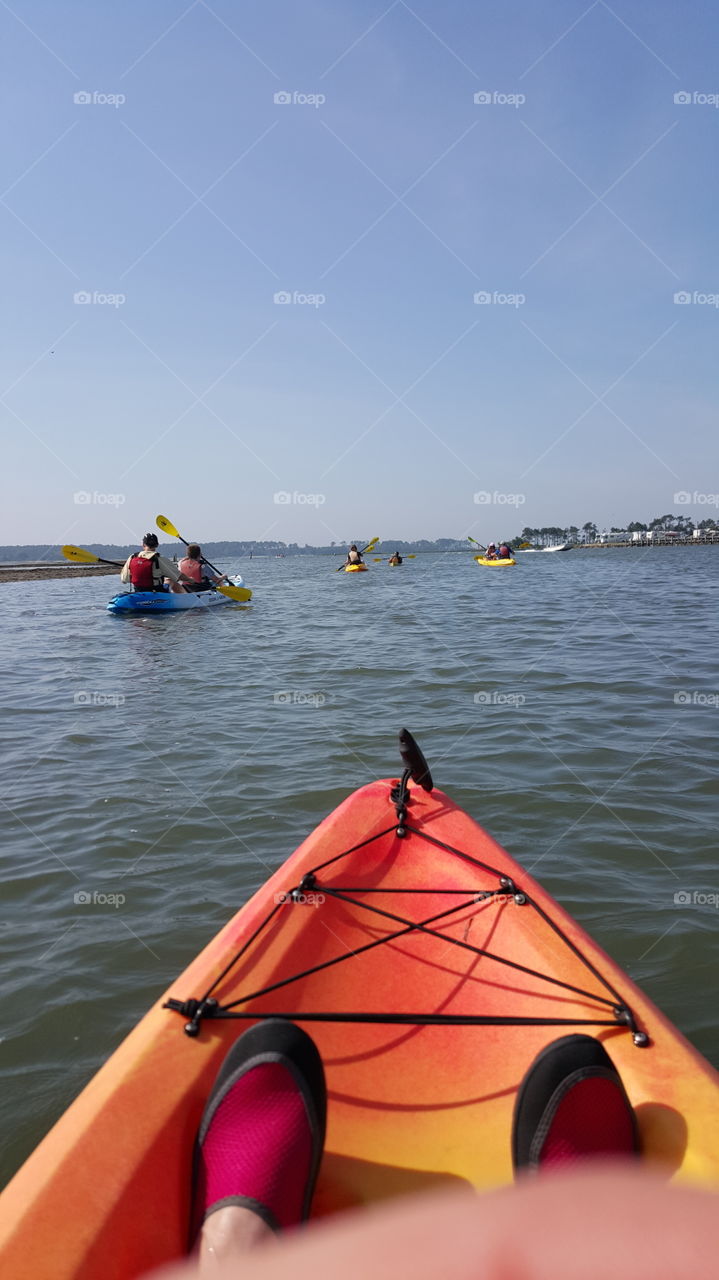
484	560
355	568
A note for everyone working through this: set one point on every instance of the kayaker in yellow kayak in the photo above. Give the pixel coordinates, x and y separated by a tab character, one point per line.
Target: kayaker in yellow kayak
354	556
503	552
395	559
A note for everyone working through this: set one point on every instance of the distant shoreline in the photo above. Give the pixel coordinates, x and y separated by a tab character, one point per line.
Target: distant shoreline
39	572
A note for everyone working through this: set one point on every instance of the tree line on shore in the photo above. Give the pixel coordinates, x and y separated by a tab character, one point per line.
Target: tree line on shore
590	532
544	536
218	550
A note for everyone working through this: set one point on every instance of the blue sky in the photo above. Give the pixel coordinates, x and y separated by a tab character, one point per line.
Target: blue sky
381	198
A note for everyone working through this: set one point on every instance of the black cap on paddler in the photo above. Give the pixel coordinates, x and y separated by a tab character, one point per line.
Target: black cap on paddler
150	540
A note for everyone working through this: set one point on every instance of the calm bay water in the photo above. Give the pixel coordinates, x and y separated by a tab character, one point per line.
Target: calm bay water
569	704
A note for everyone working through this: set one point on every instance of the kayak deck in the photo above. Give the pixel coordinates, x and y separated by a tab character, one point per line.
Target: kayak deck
429	986
486	560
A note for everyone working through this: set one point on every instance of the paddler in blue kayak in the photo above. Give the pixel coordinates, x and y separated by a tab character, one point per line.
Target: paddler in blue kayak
196	569
147	569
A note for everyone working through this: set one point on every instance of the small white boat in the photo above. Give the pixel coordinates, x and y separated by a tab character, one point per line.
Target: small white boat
561	546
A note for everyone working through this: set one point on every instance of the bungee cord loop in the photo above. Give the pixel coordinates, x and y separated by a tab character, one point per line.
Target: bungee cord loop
613	1009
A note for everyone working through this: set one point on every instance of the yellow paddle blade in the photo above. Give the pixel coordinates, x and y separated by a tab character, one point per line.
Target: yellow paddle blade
167	526
235	593
371	544
474	540
412	557
377	560
79	555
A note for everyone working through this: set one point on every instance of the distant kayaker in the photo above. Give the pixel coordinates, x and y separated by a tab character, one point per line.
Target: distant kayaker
147	569
396	558
196	569
354	556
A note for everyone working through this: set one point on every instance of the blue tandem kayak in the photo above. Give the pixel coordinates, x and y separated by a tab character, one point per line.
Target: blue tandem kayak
169	601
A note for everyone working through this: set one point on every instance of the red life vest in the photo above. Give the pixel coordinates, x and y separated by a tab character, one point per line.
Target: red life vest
191	568
141	572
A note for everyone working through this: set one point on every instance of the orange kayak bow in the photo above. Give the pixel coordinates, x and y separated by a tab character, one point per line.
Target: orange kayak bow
429	968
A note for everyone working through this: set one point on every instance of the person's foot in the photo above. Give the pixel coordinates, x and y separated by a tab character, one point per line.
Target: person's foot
571	1106
262	1133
